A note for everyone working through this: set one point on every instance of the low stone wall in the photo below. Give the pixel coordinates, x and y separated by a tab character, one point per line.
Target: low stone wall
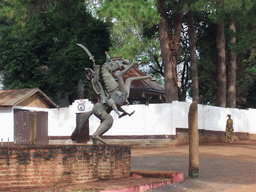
131	140
181	138
252	137
36	166
209	136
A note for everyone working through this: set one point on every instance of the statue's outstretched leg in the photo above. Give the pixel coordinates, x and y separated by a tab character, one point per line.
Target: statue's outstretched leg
106	124
124	112
96	138
81	121
111	103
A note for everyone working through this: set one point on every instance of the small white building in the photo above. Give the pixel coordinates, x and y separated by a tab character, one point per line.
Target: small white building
24	116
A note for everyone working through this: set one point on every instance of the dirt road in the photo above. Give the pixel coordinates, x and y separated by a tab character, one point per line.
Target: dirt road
223	167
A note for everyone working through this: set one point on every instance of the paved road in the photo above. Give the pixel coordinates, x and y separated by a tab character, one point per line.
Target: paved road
223	167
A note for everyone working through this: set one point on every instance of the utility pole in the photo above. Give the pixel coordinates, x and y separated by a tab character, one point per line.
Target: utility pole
193	141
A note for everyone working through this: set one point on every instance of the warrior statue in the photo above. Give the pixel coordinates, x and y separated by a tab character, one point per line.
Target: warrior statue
111	96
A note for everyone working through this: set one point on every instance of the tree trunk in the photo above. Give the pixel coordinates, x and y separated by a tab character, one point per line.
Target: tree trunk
170	75
221	61
193	59
169	50
231	77
221	65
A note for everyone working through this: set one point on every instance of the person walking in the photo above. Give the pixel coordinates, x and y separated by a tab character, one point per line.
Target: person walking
229	129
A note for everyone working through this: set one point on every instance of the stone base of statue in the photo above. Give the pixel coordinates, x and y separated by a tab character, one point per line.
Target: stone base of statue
54	165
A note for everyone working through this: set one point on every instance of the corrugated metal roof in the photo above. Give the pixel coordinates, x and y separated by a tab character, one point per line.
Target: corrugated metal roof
143	85
12	97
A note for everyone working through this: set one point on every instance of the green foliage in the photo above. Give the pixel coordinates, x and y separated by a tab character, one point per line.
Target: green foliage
206	46
218	11
246	83
19	12
246	31
45	54
129	18
209	14
134	32
48	40
245	48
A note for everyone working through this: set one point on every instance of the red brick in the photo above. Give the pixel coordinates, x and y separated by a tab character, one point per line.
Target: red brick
46	172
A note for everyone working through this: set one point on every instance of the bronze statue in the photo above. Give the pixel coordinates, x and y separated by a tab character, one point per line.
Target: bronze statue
115	94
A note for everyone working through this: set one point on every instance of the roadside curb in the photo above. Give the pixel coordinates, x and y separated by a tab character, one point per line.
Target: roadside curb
164	178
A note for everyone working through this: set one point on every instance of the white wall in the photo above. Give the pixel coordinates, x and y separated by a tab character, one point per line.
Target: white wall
153	119
6	124
62	121
127	125
214	118
240	118
158	119
252	121
180	114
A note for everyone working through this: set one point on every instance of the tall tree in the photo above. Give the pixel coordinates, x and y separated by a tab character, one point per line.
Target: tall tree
206	47
231	68
241	13
242	33
183	68
193	58
170	41
221	60
134	15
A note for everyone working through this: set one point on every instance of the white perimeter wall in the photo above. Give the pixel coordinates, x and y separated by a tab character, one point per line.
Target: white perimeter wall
62	121
6	124
153	119
252	121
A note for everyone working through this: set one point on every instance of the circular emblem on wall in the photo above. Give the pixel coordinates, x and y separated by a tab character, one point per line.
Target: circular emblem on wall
81	106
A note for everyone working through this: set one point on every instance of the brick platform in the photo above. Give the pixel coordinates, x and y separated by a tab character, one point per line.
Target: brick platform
51	165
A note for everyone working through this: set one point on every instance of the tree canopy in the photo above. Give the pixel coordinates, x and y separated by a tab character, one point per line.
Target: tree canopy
19	12
45	55
135	34
129	18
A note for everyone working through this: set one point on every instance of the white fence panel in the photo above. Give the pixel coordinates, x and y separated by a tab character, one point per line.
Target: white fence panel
180	114
62	121
129	125
252	121
240	119
6	124
158	119
214	118
66	121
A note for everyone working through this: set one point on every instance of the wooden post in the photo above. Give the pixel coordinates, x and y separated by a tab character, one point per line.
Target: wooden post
193	141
